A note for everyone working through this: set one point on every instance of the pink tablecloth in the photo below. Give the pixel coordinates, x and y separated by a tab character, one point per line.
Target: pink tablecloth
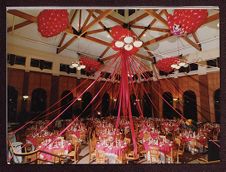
114	149
153	135
67	147
165	148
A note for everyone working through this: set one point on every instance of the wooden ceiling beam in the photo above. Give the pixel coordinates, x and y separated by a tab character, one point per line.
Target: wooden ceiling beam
96	20
148	51
20	25
160	38
68	30
116	20
159	29
102	25
80	20
104	52
150	25
23	15
62	39
151	28
143	57
67	44
138	18
196	38
99	41
165	12
138	27
109	57
193	44
87	18
157	16
94	31
146	48
212	18
73	17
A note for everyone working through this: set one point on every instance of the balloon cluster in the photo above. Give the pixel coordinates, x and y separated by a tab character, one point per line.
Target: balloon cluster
165	64
124	39
91	64
185	21
52	22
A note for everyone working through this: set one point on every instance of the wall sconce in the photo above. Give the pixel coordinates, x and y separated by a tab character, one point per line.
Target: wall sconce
25	97
176	99
79	99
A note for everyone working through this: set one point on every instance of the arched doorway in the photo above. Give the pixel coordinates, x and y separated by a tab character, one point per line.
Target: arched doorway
105	104
190	105
147	105
167	109
217	105
133	101
86	98
38	101
65	102
12	104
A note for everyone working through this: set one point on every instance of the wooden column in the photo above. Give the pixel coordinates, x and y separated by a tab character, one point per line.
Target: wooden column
204	97
54	90
25	103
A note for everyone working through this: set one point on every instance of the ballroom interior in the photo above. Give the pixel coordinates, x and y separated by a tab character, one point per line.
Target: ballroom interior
113	86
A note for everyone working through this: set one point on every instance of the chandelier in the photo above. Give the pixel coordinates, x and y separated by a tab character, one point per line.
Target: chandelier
77	65
128	43
124	39
179	64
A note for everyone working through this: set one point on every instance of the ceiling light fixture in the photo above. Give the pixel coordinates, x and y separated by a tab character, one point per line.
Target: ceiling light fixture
77	65
179	64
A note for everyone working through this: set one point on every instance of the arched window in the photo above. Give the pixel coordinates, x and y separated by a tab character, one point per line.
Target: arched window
12	103
217	105
147	105
105	104
190	105
86	98
168	111
38	100
133	101
65	102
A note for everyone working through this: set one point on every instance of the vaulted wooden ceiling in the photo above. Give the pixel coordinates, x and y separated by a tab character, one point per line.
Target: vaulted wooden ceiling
91	24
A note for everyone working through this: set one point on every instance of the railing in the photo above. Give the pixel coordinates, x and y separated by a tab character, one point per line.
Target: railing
34	158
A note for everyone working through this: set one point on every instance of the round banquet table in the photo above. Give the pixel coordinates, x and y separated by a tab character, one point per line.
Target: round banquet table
57	148
117	150
163	147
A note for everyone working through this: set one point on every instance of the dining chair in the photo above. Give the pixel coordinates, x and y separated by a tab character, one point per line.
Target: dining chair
181	147
153	155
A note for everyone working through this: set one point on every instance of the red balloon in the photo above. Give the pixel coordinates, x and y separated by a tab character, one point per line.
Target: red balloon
49	20
134	50
186	20
165	64
116	32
